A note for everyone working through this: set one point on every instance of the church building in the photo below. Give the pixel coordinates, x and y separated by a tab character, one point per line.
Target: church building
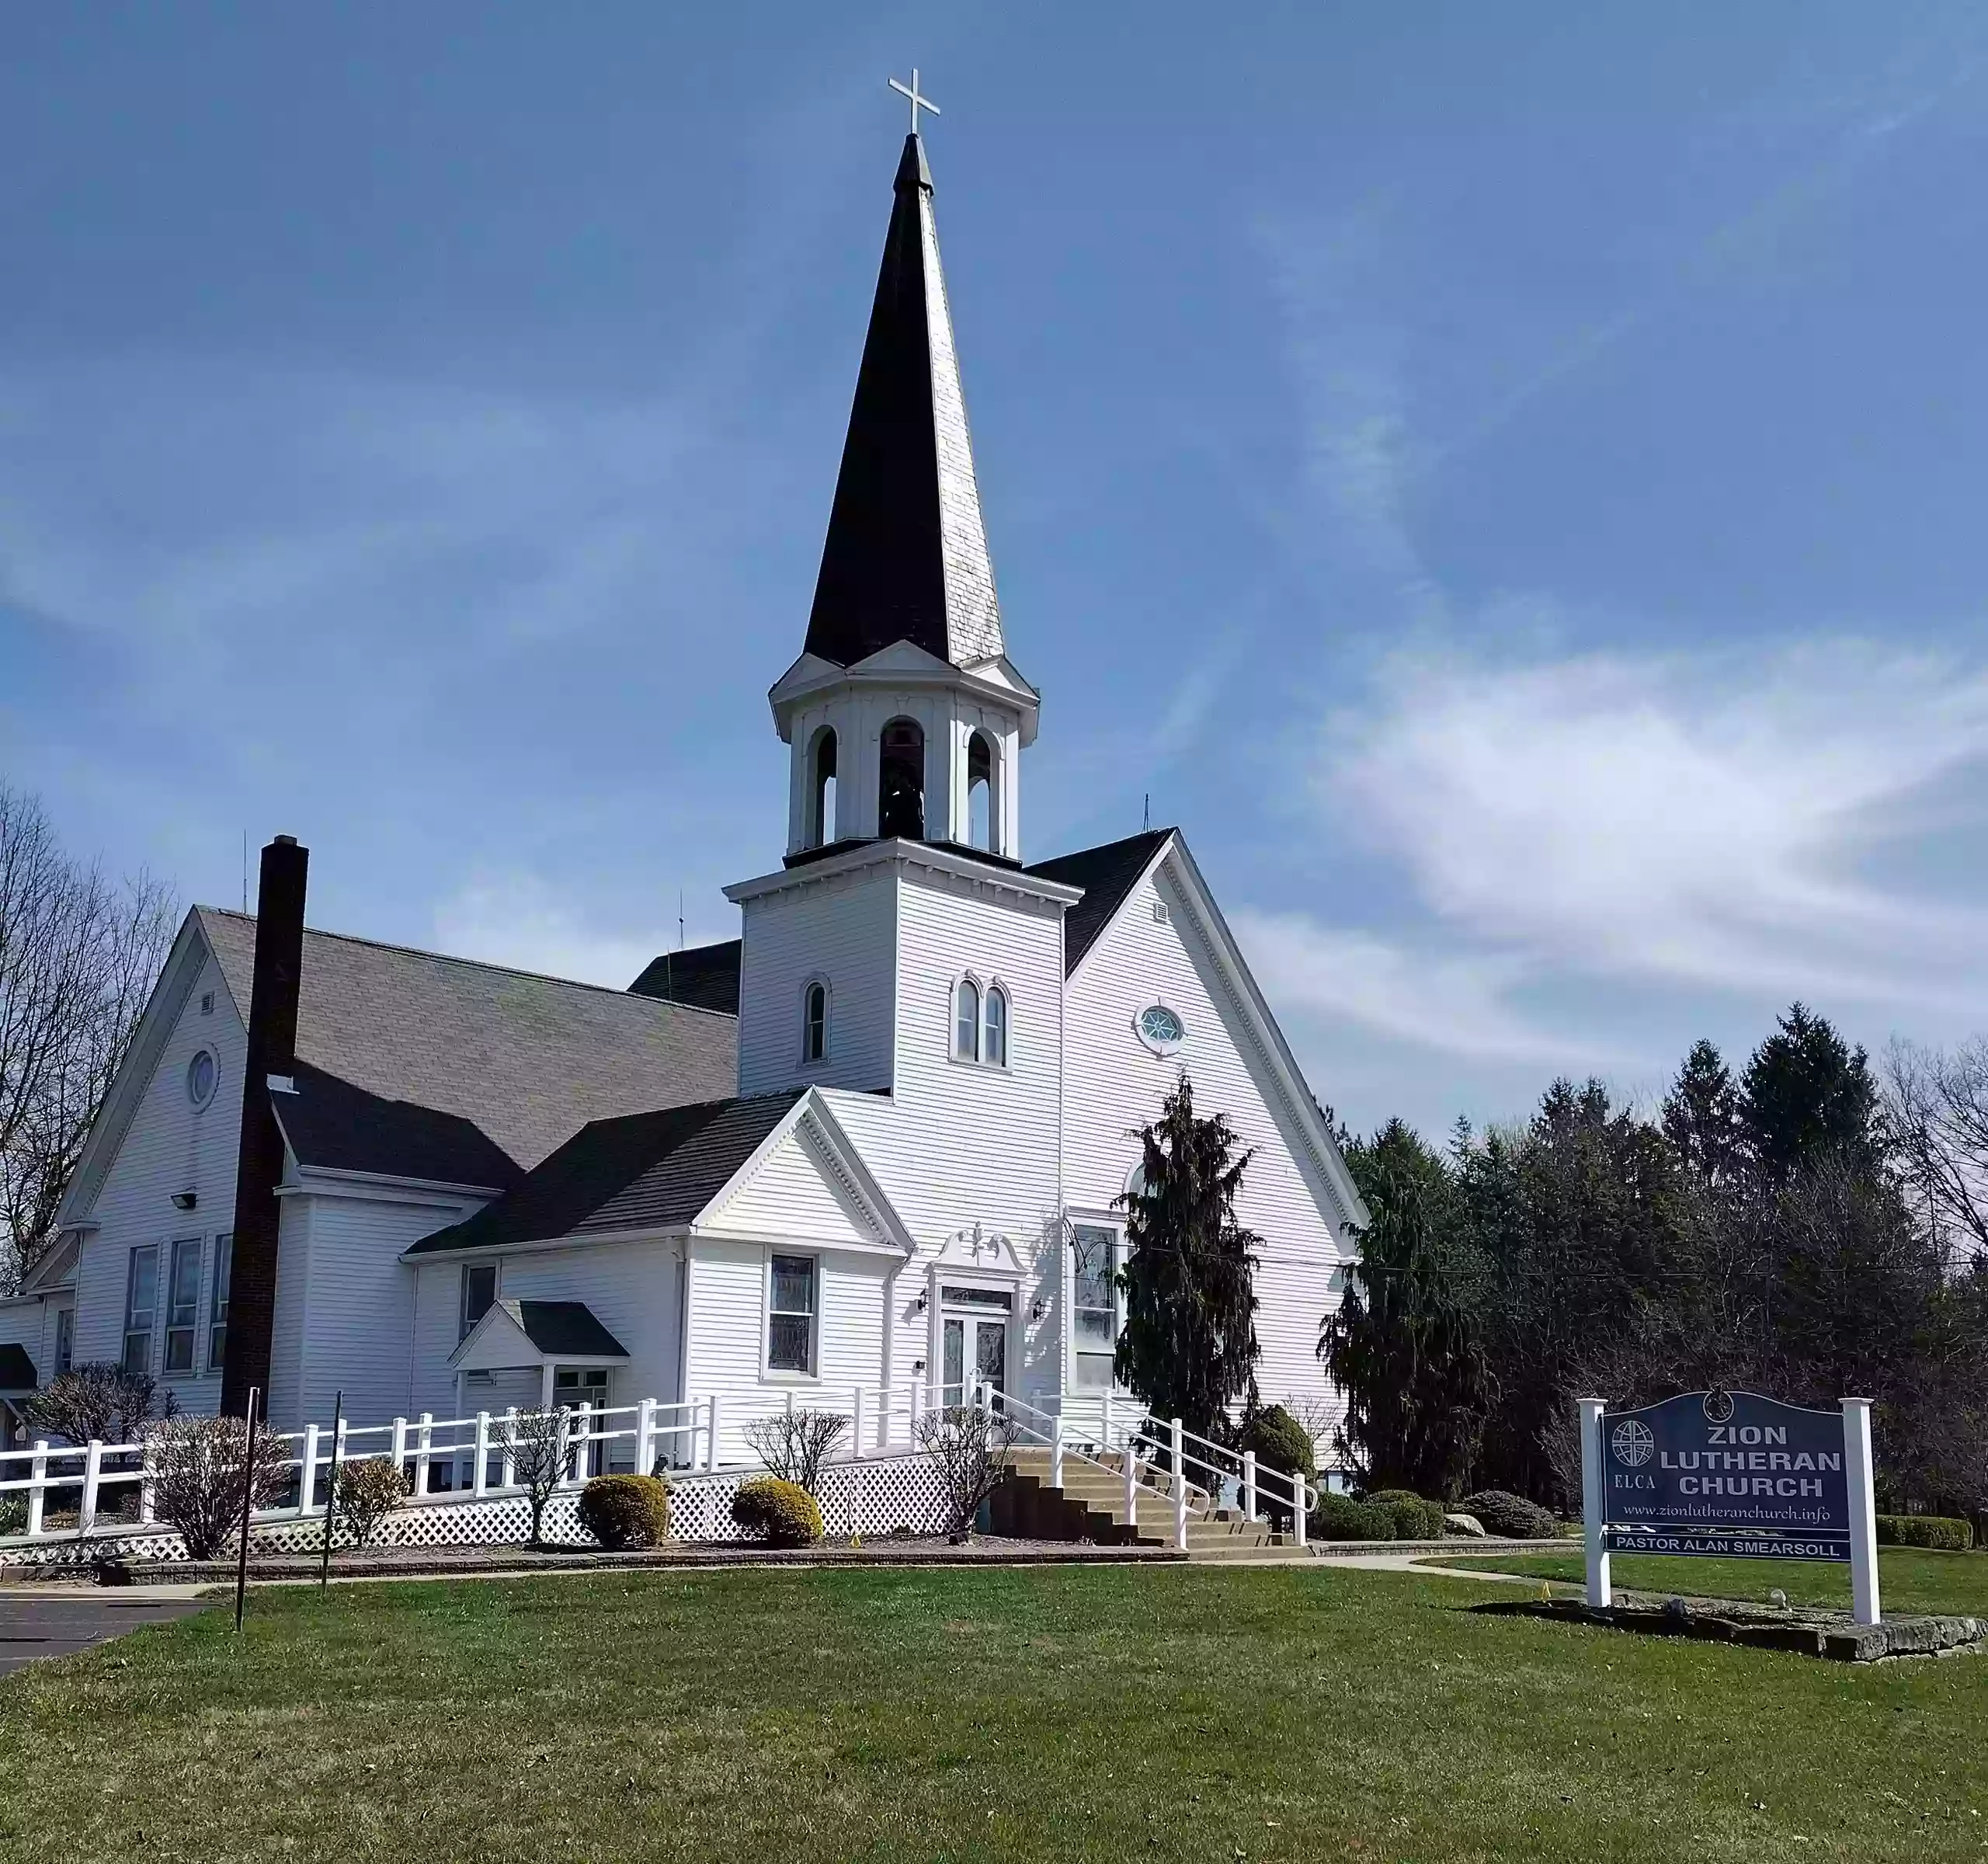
879	1140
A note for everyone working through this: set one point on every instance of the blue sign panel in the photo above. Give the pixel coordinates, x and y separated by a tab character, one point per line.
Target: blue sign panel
1725	1547
1722	1463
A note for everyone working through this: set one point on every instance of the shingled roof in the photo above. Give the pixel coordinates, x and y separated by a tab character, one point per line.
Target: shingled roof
905	558
645	1171
528	1060
706	976
1106	874
331	1123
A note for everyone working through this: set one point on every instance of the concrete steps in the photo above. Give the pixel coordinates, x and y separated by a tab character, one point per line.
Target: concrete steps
1091	1506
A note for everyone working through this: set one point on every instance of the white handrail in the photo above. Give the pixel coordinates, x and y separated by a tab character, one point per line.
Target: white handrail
1060	1450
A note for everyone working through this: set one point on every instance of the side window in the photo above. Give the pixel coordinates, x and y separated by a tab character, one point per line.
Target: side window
815	1022
65	1339
479	1291
1093	1304
140	1308
995	1052
183	1305
217	1312
966	1021
791	1315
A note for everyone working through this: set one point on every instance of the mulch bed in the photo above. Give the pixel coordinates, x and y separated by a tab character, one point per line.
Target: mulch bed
442	1562
1805	1632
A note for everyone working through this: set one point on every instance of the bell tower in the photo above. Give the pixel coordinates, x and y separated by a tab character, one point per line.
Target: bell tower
905	718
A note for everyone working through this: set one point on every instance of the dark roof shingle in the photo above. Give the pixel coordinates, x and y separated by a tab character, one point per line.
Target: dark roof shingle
706	977
331	1124
1106	874
16	1368
528	1059
645	1170
559	1328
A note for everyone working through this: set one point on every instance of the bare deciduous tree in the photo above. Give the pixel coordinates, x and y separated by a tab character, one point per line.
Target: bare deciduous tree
537	1442
78	954
199	1466
967	1445
1936	1118
795	1445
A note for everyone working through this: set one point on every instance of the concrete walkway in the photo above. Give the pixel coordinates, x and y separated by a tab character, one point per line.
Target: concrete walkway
45	1621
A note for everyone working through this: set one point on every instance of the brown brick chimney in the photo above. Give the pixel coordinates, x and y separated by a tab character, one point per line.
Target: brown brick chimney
252	1294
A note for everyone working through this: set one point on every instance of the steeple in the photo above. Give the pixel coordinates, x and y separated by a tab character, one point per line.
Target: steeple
906	555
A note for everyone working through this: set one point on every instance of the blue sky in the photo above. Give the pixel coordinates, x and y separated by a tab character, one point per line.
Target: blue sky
1508	482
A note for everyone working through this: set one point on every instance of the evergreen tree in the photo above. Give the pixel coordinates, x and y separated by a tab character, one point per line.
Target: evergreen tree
1701	1115
1806	1093
1403	1348
1189	1347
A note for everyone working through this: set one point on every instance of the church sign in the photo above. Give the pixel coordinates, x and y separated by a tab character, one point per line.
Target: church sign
1730	1474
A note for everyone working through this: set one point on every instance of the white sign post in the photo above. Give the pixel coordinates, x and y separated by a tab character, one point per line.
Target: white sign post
1595	1530
1857	1467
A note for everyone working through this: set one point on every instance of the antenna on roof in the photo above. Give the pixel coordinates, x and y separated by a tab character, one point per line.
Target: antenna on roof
680	919
1145	814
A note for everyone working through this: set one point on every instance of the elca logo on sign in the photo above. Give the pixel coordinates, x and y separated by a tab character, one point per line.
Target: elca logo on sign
1728	1460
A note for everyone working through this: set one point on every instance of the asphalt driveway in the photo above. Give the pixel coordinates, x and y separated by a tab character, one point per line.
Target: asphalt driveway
52	1624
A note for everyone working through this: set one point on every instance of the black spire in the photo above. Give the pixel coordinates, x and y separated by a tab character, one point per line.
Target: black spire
906	554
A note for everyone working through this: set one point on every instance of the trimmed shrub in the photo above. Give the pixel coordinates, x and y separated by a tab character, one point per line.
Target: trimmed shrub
1948	1533
13	1514
1284	1445
781	1514
1341	1517
625	1512
368	1491
1414	1518
1510	1517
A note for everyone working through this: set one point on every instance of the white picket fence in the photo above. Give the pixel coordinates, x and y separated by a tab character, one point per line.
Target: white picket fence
86	1502
463	1490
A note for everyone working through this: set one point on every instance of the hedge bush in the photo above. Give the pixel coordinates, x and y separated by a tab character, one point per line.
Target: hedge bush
1947	1532
781	1514
1510	1517
624	1512
1414	1518
1341	1517
1283	1445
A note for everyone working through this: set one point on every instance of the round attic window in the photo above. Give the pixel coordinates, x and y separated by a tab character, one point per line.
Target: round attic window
1160	1029
202	1077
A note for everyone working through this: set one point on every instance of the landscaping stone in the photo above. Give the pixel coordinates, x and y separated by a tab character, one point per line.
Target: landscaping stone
1829	1635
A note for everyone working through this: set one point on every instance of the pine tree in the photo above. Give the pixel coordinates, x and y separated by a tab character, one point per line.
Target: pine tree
1403	1347
1189	1347
1701	1115
1806	1095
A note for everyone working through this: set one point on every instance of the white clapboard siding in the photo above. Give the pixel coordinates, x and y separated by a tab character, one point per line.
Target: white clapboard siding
169	1148
795	1192
1116	1084
842	929
283	1401
630	1288
357	1336
958	1145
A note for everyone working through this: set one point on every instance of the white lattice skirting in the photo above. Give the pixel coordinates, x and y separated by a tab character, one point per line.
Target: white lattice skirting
880	1496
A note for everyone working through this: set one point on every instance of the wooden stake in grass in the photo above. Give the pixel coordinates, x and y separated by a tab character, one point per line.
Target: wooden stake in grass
331	1489
247	1495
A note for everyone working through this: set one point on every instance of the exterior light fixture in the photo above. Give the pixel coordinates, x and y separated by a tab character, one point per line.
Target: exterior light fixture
185	1199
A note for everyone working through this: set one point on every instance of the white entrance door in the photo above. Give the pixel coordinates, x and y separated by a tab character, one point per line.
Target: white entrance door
975	1344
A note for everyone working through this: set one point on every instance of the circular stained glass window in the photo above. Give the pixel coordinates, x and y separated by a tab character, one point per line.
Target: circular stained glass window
203	1076
1160	1029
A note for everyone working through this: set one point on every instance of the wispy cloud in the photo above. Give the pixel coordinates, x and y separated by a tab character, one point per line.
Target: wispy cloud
518	919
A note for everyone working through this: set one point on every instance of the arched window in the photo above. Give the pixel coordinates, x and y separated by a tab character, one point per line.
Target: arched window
821	790
994	1051
979	791
966	1021
815	1022
900	781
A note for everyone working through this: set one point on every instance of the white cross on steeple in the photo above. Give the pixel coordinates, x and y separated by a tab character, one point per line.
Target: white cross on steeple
917	102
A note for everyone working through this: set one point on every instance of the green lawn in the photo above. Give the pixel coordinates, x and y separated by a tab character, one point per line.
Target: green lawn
1910	1579
1111	1713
